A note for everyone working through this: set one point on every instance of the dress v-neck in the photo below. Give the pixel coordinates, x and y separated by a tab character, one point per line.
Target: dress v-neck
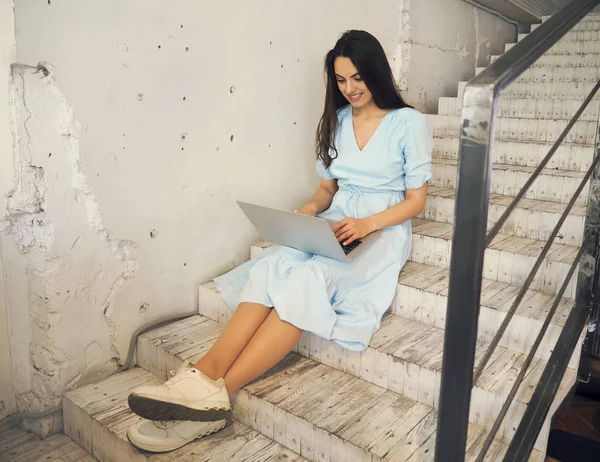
372	136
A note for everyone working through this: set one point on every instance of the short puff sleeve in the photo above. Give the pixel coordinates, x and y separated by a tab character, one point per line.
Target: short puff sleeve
417	148
323	172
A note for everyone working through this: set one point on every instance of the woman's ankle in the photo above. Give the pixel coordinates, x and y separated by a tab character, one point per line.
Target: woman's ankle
210	368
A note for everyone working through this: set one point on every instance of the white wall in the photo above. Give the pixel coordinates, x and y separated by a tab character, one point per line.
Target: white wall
7	57
152	119
110	154
442	44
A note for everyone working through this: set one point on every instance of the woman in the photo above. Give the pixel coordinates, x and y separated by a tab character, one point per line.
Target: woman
374	158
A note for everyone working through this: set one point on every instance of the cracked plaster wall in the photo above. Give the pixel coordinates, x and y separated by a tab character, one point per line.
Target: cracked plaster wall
441	43
7	57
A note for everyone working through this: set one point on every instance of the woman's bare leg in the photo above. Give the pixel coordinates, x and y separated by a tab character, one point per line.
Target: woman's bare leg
272	341
246	320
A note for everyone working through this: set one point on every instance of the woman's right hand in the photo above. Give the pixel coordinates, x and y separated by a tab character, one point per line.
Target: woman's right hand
307	210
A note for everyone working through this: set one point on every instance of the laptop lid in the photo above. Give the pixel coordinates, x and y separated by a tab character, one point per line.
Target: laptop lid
302	232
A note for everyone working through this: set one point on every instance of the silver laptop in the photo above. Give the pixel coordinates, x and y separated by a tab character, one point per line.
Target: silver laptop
302	232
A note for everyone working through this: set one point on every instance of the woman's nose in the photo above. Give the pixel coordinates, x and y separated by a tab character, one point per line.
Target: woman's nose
349	88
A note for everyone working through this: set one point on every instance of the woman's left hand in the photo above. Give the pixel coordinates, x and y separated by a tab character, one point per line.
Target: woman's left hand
350	229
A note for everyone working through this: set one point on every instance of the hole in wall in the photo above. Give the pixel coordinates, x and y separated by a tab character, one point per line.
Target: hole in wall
187	48
182	26
232	89
185	98
159	47
153	234
232	138
49	154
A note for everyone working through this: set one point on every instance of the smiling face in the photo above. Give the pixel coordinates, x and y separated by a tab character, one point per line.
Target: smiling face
351	84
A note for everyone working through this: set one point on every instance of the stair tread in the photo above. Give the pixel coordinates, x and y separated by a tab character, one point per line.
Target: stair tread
372	419
494	294
106	403
518	168
549	144
514	244
499	199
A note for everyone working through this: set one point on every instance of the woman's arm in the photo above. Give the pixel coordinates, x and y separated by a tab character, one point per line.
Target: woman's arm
350	229
322	198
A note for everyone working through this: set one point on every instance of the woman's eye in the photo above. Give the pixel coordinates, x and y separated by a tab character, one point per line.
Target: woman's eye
340	81
358	79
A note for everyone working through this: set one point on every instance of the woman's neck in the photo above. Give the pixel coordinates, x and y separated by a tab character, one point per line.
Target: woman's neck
369	111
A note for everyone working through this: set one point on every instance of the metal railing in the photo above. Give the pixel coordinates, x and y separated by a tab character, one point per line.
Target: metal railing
469	244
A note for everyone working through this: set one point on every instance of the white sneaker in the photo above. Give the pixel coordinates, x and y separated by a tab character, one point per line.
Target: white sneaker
168	436
189	395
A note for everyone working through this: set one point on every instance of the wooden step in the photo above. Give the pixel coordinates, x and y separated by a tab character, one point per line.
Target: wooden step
422	295
570	157
548	73
529	108
97	417
531	218
18	445
542	90
508	259
552	185
579	60
571	43
522	129
326	408
592	36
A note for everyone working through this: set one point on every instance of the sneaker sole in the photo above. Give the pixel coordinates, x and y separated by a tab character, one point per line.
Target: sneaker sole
177	446
152	409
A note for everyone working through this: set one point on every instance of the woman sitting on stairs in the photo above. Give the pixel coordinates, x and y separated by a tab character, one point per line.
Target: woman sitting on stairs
374	158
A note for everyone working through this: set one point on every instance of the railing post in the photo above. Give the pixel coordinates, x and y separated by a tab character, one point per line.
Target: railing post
466	267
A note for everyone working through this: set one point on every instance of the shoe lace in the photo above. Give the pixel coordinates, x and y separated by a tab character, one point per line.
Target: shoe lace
182	369
165	424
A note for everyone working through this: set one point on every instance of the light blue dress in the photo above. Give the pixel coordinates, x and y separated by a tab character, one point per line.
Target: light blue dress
345	301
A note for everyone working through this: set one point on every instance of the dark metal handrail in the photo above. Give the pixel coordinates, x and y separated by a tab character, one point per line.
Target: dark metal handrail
470	223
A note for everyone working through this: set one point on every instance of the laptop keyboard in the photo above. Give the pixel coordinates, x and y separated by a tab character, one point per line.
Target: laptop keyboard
350	247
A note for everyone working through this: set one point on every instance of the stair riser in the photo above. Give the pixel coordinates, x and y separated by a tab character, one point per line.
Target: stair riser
430	309
567	157
533	224
408	379
572	60
570	45
101	443
521	129
586	24
549	109
104	443
295	433
509	182
543	91
575	36
556	74
503	266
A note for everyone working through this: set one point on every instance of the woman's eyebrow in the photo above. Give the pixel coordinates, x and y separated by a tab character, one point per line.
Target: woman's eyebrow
353	75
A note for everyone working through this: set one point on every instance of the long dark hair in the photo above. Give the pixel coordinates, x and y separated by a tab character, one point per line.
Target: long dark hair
367	55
